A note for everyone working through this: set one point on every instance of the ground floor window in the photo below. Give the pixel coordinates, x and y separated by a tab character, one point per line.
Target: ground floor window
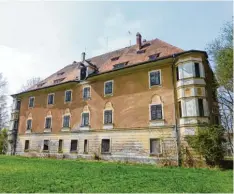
60	146
26	145
46	145
85	146
105	148
155	146
74	144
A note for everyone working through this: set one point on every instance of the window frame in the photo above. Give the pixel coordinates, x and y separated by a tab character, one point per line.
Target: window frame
27	124
197	71
31	97
109	151
44	145
66	102
201	111
160	142
86	146
25	145
50	122
112	117
53	94
61	145
77	143
89	92
82	119
111	94
69	121
150	116
160	72
17	105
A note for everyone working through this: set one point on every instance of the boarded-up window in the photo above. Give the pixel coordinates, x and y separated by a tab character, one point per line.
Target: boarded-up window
85	146
74	145
155	146
201	108
105	146
26	145
107	116
155	78
156	112
46	145
60	147
197	70
85	119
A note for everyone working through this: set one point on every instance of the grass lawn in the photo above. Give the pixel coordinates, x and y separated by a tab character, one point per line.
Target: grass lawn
18	174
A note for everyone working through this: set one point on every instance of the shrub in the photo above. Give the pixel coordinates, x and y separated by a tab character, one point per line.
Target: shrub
209	142
3	141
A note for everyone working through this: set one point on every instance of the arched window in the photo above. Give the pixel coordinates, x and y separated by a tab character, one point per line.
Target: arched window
108	116
29	123
66	119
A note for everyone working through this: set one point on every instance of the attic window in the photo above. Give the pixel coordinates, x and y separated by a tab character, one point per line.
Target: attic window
40	84
114	58
60	73
120	65
141	51
58	80
154	56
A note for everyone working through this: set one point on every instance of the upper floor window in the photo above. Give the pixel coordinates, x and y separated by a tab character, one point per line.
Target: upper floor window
153	57
108	117
86	93
155	78
31	102
48	122
50	99
66	121
180	109
140	51
177	73
16	123
156	112
29	124
200	107
58	80
114	58
85	119
17	106
120	65
197	70
68	96
108	87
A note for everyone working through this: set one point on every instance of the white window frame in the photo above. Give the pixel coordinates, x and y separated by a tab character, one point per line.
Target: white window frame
110	150
33	102
27	124
160	85
112	81
89	92
69	120
65	96
82	118
48	99
150	119
104	117
49	116
160	140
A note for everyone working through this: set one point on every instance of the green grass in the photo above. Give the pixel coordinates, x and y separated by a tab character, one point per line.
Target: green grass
18	174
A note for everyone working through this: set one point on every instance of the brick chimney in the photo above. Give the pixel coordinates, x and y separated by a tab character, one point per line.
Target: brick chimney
138	40
83	56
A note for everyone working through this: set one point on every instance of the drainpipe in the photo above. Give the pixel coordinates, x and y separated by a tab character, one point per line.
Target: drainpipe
177	133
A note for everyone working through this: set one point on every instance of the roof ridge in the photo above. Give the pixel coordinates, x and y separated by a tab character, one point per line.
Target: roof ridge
168	44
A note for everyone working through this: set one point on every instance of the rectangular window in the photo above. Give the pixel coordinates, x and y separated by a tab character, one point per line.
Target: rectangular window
108	87
153	57
180	109
48	123
177	74
201	108
68	96
17	107
86	93
108	117
120	65
66	121
26	145
31	102
197	70
46	145
15	127
57	81
105	148
74	144
155	78
29	124
85	146
155	146
156	112
85	119
60	146
51	99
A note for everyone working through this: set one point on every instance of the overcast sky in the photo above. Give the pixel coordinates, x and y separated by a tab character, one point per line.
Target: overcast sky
39	38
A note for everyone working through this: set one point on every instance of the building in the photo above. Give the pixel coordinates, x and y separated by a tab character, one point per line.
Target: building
132	104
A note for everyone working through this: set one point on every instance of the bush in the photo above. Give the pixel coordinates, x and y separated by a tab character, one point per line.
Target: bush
209	142
3	141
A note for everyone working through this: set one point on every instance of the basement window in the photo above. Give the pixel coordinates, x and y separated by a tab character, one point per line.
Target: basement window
57	81
26	145
114	58
85	146
141	51
74	144
155	146
105	146
60	146
46	145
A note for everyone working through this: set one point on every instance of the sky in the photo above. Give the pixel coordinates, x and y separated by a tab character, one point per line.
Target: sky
39	38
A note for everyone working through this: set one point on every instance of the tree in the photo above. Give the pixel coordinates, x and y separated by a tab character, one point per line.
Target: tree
3	141
31	82
3	103
221	52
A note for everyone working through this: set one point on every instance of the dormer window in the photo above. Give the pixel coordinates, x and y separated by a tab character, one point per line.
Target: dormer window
154	56
120	65
60	73
141	51
58	80
40	84
114	58
83	73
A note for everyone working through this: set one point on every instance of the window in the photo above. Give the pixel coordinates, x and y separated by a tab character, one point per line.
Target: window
26	145
46	145
155	146
50	99
74	145
153	57
17	106
60	73
108	117
41	84
31	102
15	127
140	51
114	58
86	93
200	107
29	124
83	73
57	81
85	119
155	78
105	148
216	119
197	70
68	96
156	112
85	146
177	73
120	65
66	121
48	123
108	87
60	146
179	108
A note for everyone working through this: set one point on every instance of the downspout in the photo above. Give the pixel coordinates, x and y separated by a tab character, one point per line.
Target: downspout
177	134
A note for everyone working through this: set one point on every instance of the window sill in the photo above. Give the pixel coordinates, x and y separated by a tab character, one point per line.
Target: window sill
156	155
74	152
26	150
155	123
47	130
155	86
45	151
85	128
108	95
28	131
86	99
108	126
105	153
64	129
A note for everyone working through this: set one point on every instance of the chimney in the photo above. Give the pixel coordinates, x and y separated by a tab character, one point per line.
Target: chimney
83	56
138	40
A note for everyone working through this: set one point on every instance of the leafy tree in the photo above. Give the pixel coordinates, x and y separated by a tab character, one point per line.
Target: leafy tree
221	52
3	141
